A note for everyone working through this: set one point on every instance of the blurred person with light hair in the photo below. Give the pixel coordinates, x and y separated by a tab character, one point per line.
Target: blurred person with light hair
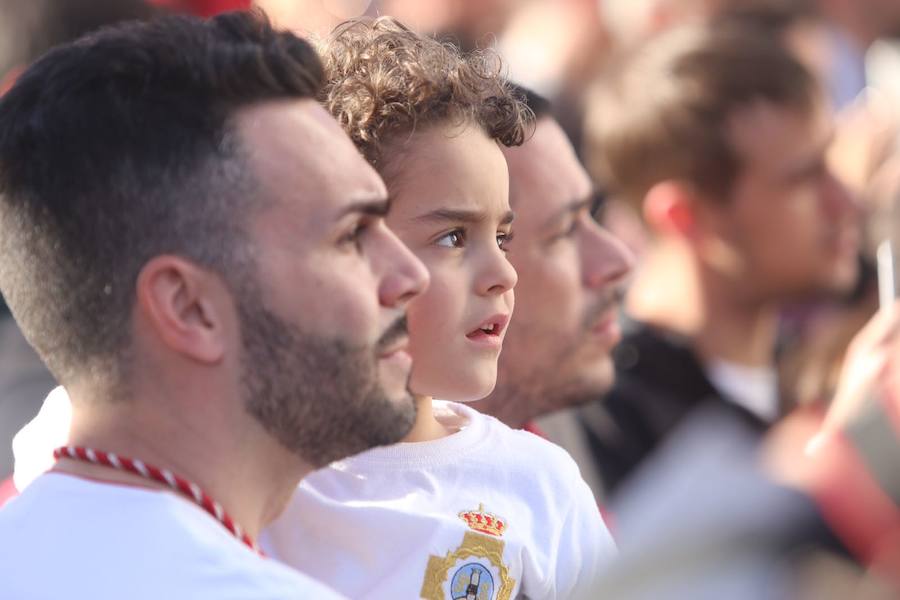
717	136
854	27
631	22
812	512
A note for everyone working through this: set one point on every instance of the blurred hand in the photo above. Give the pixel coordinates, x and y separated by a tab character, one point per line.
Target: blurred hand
871	369
800	451
864	139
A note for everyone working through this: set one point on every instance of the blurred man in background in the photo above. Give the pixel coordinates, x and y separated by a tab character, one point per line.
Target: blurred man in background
717	136
854	26
816	514
572	275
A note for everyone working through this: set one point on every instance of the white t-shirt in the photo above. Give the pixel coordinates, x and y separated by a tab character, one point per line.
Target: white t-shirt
391	522
753	388
70	537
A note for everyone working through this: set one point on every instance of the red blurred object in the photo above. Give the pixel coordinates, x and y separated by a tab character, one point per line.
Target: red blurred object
8	491
203	8
856	506
532	427
9	79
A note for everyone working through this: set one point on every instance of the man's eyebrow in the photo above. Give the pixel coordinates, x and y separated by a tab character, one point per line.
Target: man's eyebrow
462	216
376	208
811	162
573	207
581	203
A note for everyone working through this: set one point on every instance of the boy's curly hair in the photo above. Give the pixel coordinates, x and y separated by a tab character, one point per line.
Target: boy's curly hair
385	81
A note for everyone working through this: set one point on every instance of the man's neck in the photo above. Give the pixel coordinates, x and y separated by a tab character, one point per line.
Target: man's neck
250	475
509	402
673	291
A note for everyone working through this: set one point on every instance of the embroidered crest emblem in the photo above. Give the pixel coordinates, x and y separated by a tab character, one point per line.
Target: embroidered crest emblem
475	570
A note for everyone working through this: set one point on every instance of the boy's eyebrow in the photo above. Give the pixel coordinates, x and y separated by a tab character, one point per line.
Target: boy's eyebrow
462	216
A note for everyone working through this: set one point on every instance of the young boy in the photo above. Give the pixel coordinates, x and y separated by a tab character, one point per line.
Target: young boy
466	507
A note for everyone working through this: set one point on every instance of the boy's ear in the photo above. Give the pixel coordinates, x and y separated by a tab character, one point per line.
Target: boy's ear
670	208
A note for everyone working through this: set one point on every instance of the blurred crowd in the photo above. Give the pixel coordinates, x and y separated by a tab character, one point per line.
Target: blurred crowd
745	154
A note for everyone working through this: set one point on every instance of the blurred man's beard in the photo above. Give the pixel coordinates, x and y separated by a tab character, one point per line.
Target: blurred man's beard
518	399
319	397
565	380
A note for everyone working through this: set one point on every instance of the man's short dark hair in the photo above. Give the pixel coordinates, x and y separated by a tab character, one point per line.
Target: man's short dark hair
121	147
773	17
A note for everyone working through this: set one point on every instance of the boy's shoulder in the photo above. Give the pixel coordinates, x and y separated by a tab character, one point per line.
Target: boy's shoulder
482	449
524	450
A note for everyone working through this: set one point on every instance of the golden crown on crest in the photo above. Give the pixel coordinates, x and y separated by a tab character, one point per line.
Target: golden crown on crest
483	522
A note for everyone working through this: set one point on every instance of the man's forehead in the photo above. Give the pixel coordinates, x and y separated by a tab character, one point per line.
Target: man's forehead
765	132
546	164
297	148
292	127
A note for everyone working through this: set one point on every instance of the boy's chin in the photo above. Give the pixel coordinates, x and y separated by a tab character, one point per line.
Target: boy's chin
465	388
473	393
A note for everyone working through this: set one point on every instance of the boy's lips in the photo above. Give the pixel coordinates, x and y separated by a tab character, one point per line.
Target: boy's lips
490	331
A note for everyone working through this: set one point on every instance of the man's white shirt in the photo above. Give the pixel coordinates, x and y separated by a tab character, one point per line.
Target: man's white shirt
488	511
70	537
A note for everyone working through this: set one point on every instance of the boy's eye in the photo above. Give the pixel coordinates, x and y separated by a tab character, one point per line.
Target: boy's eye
503	240
452	239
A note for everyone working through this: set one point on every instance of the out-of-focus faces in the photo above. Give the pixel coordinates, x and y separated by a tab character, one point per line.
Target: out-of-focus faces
477	17
881	16
450	205
788	229
324	358
571	274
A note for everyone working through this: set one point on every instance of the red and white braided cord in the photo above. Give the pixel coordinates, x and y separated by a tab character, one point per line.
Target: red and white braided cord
164	476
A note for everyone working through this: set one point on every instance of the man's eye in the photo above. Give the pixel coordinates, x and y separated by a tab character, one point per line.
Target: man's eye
354	234
503	240
598	206
568	230
452	239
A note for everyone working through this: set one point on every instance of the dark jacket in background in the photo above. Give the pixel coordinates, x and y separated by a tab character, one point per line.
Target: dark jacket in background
659	381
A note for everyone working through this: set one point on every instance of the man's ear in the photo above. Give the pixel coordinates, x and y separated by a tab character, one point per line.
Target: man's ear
670	208
10	78
186	306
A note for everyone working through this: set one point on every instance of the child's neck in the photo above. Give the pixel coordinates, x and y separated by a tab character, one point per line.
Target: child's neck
427	427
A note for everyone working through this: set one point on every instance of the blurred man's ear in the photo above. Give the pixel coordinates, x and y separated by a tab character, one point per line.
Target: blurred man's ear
9	79
185	306
670	209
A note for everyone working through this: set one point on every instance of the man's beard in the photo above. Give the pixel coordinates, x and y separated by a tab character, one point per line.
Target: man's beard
560	383
319	397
